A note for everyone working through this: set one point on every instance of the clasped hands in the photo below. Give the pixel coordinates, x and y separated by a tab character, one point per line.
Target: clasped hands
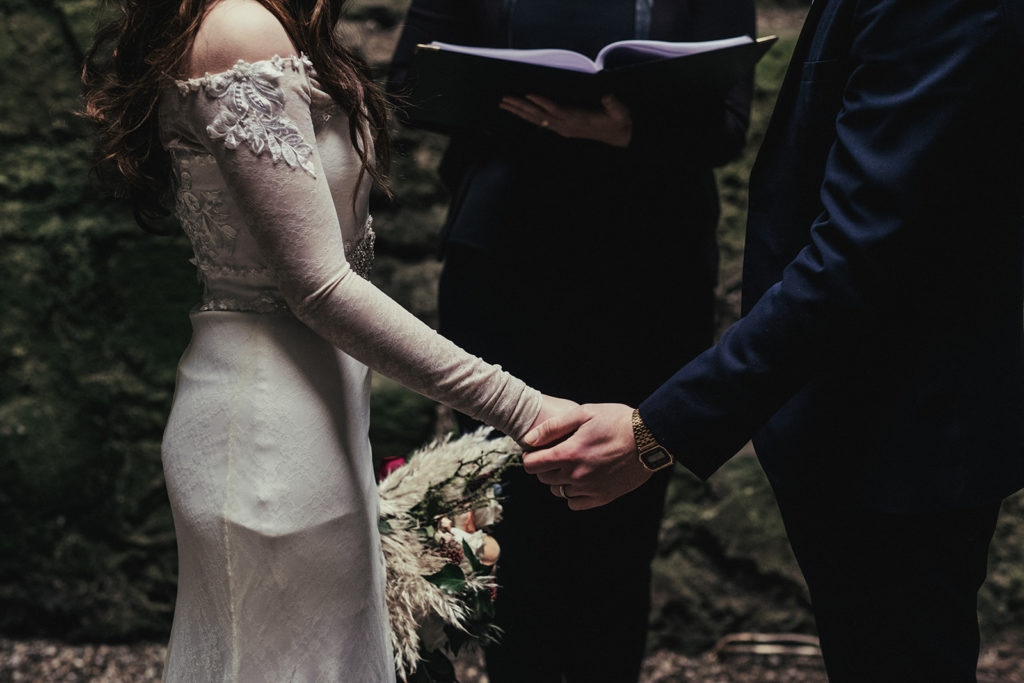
612	124
585	453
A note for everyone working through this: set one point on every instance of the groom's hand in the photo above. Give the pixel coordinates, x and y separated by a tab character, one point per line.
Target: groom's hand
596	464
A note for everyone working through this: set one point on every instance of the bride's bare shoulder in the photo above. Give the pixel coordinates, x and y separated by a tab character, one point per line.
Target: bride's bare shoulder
234	30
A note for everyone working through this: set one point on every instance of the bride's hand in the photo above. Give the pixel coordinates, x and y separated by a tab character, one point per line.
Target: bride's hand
612	124
551	407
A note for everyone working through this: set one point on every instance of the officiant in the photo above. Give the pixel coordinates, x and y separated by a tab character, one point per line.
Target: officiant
580	254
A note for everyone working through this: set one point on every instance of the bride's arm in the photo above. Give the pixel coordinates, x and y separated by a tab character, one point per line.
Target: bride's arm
256	122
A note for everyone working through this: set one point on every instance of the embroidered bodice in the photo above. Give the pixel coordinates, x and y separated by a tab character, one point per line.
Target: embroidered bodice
267	187
248	108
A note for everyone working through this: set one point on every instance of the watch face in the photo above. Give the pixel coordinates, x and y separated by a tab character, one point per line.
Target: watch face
656	458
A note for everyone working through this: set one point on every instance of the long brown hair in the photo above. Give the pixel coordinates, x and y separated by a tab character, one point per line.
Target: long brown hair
134	55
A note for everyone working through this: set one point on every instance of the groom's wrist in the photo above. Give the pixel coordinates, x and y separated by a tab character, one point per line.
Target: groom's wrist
652	455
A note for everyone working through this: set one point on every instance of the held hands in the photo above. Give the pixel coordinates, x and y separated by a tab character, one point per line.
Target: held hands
612	124
551	408
596	464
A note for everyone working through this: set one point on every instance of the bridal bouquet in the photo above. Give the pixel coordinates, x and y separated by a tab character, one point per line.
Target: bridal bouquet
433	513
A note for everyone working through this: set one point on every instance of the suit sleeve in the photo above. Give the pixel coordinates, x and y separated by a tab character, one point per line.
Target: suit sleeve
922	74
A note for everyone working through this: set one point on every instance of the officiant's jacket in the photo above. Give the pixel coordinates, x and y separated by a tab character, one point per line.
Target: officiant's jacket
570	204
879	361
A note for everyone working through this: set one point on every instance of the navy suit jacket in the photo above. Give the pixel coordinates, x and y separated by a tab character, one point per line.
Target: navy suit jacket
879	360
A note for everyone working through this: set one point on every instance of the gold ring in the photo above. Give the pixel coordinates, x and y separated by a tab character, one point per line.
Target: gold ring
545	123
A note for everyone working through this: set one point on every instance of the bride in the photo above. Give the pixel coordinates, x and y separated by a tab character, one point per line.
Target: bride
263	129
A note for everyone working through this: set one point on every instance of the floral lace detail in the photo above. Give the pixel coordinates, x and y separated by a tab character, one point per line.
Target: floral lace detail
252	110
204	219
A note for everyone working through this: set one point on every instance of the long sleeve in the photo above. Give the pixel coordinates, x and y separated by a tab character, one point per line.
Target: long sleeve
888	263
256	121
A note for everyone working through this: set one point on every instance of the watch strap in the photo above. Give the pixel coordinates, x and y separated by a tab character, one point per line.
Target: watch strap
641	434
651	454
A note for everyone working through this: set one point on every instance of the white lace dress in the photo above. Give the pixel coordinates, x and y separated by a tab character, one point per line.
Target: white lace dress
266	453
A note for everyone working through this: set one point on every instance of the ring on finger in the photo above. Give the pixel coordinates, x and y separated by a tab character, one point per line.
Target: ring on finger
561	492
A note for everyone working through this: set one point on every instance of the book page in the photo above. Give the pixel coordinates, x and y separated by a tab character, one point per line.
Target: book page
559	59
626	52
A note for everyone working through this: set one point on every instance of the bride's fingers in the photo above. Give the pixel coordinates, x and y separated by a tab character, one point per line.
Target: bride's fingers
555	428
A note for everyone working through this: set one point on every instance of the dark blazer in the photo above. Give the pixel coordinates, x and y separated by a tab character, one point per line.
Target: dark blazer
879	361
574	203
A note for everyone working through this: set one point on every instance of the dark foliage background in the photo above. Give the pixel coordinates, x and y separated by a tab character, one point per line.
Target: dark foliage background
93	317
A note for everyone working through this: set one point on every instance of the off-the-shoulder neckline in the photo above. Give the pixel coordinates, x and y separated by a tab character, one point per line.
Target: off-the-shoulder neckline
243	65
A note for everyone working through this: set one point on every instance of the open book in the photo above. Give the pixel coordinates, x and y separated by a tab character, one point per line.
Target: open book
611	56
458	87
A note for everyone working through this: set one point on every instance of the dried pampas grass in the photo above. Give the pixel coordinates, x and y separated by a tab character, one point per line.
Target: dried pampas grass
435	578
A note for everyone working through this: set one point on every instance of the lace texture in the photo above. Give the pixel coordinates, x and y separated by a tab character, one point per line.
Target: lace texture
269	300
252	104
204	219
207	221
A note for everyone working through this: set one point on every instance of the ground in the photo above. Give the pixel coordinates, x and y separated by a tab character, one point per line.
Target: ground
46	661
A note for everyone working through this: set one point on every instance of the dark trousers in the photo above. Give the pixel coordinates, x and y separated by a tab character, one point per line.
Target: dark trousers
894	595
574	596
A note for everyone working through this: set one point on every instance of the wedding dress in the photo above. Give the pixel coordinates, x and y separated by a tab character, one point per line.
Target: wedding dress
266	453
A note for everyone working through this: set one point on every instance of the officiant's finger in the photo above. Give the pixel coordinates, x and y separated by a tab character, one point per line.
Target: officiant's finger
525	110
614	107
550	107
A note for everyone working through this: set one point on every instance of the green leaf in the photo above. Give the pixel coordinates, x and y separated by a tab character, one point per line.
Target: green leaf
478	566
450	579
384	527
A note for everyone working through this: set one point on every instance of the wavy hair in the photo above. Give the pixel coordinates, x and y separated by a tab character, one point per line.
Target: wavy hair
135	55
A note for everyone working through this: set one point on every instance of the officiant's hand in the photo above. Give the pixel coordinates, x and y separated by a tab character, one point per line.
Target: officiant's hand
596	464
612	124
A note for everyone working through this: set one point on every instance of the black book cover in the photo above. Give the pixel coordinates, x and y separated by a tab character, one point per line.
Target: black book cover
451	91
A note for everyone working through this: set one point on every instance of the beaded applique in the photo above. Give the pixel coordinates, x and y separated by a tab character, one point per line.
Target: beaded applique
252	110
359	252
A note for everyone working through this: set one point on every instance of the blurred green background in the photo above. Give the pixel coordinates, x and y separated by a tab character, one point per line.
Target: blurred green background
93	317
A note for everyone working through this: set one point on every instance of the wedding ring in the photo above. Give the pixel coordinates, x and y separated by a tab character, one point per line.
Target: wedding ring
545	123
561	491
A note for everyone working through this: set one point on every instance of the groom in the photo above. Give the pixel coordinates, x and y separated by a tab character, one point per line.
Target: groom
878	365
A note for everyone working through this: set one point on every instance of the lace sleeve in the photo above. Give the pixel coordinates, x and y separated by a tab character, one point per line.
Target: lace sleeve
255	120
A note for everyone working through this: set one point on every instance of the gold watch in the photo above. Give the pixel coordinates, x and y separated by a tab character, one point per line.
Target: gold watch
653	455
